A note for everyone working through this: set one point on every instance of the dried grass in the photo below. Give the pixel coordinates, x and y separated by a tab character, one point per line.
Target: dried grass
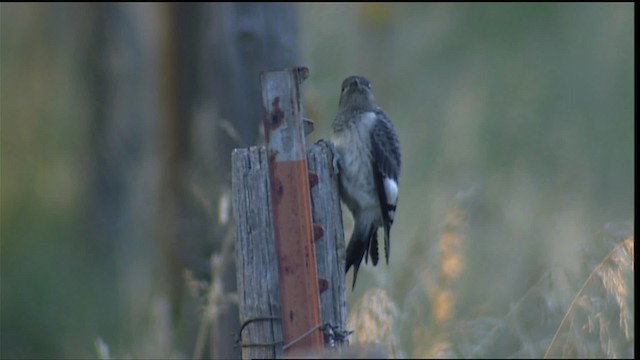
586	314
373	322
599	321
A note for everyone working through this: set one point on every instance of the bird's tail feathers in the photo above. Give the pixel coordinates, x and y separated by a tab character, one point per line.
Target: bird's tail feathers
364	240
387	248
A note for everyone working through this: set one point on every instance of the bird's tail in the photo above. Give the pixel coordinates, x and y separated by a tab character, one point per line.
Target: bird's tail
363	240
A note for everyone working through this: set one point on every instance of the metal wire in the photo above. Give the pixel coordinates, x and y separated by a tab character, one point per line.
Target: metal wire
333	335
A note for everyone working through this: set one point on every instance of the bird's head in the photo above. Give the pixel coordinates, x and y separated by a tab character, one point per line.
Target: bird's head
356	94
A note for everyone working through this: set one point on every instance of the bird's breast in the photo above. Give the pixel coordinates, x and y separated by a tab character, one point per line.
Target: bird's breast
353	144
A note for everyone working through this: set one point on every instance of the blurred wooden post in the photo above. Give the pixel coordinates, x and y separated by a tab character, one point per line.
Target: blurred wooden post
259	289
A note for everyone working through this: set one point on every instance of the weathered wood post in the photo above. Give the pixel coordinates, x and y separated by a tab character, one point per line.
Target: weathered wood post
291	208
276	295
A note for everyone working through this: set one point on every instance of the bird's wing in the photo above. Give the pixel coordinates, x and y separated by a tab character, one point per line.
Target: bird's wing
385	151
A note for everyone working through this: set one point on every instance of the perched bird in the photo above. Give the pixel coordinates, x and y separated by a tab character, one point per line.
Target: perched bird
368	152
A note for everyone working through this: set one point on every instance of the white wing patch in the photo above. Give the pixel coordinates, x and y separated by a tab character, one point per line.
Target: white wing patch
391	193
390	190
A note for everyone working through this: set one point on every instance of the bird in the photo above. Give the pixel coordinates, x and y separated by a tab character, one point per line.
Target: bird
368	160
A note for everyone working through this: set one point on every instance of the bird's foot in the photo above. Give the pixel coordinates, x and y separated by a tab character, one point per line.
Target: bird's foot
334	154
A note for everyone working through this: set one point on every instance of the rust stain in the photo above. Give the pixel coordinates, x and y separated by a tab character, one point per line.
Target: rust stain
278	188
318	232
323	285
274	119
313	179
277	115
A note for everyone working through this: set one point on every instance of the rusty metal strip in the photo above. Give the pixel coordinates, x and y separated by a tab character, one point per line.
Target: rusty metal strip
291	208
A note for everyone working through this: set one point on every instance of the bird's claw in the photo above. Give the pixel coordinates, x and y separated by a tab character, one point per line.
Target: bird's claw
334	154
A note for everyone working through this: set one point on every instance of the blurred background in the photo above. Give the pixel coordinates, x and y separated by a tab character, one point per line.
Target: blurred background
514	230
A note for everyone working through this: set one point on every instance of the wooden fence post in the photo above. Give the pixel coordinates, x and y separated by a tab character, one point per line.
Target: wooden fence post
260	291
329	240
